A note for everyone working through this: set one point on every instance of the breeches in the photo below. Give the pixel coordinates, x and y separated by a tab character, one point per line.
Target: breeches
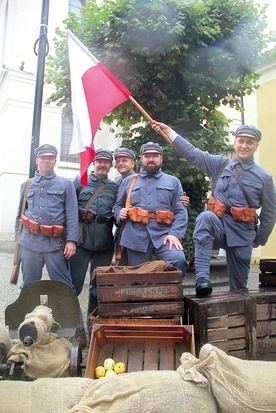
208	231
174	257
33	263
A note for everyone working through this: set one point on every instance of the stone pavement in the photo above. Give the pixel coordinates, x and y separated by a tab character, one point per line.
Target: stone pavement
9	292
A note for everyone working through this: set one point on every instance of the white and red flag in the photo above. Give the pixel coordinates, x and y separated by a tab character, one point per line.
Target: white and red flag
95	93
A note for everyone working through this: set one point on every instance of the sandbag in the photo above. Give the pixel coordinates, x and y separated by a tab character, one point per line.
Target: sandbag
145	392
43	395
5	343
48	355
239	386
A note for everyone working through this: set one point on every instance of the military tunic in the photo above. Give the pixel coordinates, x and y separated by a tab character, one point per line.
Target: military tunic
98	239
153	192
51	199
237	238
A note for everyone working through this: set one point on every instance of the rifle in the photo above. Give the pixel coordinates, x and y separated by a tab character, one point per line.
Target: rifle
16	262
16	256
120	247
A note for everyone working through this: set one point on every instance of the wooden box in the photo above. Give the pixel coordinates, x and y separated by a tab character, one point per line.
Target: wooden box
139	347
155	294
263	301
267	275
224	320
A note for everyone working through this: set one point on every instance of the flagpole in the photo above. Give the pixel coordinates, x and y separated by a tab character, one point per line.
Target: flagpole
147	116
39	85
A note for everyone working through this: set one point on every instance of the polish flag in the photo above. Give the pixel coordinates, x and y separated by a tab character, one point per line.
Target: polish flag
95	93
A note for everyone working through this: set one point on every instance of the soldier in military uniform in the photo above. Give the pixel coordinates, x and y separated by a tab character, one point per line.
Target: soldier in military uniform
97	246
156	220
241	188
50	221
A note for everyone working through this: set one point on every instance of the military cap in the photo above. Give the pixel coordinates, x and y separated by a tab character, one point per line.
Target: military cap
124	152
103	154
249	131
44	150
151	147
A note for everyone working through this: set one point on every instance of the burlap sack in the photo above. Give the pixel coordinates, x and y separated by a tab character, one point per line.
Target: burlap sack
49	358
5	344
49	355
145	392
239	386
42	395
149	266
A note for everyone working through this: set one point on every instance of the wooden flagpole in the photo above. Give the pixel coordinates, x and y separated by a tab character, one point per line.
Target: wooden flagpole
147	116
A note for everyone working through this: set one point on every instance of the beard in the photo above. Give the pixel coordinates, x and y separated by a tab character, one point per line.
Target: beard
151	169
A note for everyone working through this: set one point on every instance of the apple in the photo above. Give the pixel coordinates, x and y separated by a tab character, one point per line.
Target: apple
109	364
120	368
99	372
109	373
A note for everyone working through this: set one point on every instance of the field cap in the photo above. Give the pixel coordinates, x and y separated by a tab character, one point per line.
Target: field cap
103	154
249	131
44	150
124	152
151	147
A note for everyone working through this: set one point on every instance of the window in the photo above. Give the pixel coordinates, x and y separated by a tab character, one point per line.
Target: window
74	6
66	137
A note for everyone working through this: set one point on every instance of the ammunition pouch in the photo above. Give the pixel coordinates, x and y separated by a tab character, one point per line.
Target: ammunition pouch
215	206
138	215
164	217
142	216
86	215
47	230
243	214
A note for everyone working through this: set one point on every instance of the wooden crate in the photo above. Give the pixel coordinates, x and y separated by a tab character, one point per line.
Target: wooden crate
264	322
140	347
224	320
134	321
267	275
156	294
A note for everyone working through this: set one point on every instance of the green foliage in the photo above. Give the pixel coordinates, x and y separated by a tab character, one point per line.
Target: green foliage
180	59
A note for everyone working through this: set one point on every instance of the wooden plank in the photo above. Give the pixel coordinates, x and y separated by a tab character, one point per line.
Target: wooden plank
140	293
234	306
226	334
266	311
167	361
231	345
266	345
131	278
135	356
241	354
120	352
151	356
226	321
266	328
159	310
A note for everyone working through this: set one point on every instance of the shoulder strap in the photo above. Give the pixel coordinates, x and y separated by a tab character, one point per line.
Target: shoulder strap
130	190
24	202
218	175
94	196
242	188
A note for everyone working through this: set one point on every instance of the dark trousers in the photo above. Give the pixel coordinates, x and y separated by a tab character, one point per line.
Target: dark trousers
79	265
